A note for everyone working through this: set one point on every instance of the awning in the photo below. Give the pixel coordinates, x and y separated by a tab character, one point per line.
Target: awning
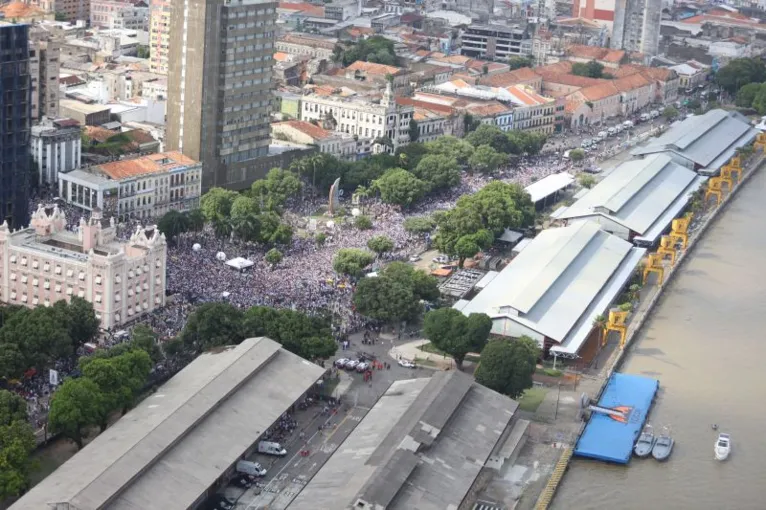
239	263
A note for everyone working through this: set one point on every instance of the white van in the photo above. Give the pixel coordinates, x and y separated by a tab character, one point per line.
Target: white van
645	117
601	135
586	143
654	114
628	124
250	468
270	448
611	131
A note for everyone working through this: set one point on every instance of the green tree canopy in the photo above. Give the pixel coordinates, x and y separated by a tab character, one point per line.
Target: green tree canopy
40	335
739	72
307	336
440	172
519	62
486	160
213	325
374	49
216	204
363	222
274	190
489	134
451	147
380	244
17	441
507	366
576	155
143	337
746	94
410	155
196	220
592	69
173	223
586	180
419	224
670	112
273	256
83	324
76	405
400	187
452	332
351	261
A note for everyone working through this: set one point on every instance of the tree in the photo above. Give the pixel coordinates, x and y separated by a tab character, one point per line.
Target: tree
374	49
307	336
83	324
363	222
196	220
400	187
12	361
470	123
173	224
489	134
213	325
739	72
143	337
670	112
586	181
592	69
423	285
41	335
419	224
17	441
451	147
115	393
455	334
507	366
273	257
282	235
486	160
600	323
576	155
747	93
441	172
380	244
466	247
76	405
414	130
216	204
274	190
410	155
519	62
351	261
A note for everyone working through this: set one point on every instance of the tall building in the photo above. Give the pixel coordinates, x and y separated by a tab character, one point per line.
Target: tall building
159	35
221	116
56	147
637	26
598	11
15	111
44	68
495	42
46	263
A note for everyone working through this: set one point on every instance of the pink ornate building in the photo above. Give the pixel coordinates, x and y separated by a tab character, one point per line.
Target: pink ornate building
44	263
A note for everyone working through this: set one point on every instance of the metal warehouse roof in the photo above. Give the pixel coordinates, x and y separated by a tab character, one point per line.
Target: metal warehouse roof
547	186
421	446
637	193
175	444
704	139
555	279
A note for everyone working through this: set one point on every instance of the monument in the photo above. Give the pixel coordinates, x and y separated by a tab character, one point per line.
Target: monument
334	197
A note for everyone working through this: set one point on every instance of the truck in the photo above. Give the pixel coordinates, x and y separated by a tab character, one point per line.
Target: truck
250	468
271	448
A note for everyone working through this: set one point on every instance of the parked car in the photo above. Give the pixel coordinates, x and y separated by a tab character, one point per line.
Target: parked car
351	365
414	258
250	468
644	117
407	363
362	367
271	448
628	124
242	481
221	502
654	114
341	362
441	259
601	135
586	143
611	131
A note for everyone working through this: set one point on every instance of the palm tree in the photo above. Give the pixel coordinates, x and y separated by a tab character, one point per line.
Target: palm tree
222	228
247	227
600	322
196	220
363	193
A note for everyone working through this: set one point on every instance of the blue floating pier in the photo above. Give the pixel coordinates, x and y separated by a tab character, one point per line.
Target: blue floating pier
610	437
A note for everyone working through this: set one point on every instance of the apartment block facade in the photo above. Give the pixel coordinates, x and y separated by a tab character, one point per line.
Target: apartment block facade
495	42
44	70
56	147
221	116
15	112
46	263
159	36
637	26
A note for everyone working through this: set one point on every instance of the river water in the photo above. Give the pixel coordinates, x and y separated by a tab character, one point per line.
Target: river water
706	343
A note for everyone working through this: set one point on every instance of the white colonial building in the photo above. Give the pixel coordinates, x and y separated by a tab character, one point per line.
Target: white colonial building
145	187
365	119
45	263
56	146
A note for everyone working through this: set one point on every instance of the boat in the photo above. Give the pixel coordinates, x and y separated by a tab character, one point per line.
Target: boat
663	445
645	443
722	447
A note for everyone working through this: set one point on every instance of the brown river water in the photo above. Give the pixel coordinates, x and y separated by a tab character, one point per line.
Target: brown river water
706	343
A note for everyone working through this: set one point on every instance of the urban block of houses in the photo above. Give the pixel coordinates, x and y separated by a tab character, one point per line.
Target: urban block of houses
300	132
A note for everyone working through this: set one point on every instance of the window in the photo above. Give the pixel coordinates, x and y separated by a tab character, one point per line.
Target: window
13	259
81	276
69	291
98	298
13	277
35	264
98	280
69	273
58	288
24	278
23	298
23	261
46	267
117	298
81	293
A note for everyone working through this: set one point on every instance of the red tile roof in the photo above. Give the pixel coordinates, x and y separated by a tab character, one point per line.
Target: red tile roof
373	68
316	11
521	75
151	164
307	128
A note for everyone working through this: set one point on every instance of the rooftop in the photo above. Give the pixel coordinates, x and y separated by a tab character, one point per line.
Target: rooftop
306	128
421	446
557	284
596	53
549	185
151	164
203	419
373	68
707	140
637	193
81	107
522	75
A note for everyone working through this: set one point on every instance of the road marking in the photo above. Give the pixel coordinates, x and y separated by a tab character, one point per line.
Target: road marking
336	428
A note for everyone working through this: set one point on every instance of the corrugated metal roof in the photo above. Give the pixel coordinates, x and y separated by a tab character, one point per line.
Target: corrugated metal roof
549	185
636	193
554	280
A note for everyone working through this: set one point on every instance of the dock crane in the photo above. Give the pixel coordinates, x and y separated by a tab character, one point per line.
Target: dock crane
667	249
653	265
679	230
715	189
616	323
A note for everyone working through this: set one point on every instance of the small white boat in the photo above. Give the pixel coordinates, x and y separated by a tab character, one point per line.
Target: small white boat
722	447
645	443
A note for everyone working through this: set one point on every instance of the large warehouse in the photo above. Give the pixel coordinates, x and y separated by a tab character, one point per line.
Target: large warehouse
554	289
170	450
421	447
703	143
638	200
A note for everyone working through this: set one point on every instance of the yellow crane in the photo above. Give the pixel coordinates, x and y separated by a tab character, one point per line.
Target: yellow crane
654	265
760	141
666	248
715	189
678	230
616	323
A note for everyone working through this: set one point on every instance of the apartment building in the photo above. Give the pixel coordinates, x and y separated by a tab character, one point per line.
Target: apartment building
531	111
637	26
72	10
56	147
159	36
495	42
128	14
691	74
220	84
144	187
46	263
301	132
601	12
14	129
44	70
301	45
363	118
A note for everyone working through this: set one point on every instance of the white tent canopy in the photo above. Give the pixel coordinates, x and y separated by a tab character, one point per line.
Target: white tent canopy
239	263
